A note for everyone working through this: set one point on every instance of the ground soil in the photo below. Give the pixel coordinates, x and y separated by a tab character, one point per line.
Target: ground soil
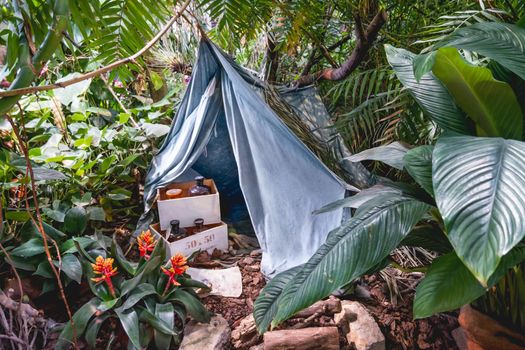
392	311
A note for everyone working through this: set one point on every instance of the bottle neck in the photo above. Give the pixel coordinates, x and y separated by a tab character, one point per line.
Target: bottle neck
175	228
199	182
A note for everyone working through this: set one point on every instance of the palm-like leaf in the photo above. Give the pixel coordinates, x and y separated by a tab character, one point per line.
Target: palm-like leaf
265	306
479	184
365	240
118	28
502	42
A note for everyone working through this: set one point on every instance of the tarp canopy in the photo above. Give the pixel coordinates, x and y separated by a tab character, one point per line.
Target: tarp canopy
268	180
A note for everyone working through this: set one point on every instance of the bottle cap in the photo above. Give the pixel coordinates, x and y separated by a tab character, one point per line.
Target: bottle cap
198	222
173	193
174	222
199	178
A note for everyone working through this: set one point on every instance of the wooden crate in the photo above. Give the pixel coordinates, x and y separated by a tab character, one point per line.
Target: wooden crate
214	237
186	209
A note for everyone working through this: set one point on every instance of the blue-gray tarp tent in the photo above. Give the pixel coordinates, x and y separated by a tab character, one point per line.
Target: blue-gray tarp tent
225	130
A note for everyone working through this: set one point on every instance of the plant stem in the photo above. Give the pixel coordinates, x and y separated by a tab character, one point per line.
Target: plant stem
40	225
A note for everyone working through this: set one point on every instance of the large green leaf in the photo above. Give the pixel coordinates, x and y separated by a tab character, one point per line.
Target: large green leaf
265	306
418	163
429	92
75	220
479	185
429	237
71	267
31	230
448	284
490	103
30	248
366	239
502	42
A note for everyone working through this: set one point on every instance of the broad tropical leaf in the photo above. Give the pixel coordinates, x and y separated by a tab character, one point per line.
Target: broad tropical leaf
490	103
391	154
429	237
502	42
429	92
448	284
265	306
418	163
479	184
351	250
380	190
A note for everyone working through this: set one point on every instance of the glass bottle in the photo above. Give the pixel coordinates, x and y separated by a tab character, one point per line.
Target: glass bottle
199	189
198	225
176	232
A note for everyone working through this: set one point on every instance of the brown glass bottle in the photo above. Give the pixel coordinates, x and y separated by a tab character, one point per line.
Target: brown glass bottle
198	225
199	189
176	232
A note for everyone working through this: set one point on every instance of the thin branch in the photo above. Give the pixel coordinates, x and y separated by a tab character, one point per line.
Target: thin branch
40	225
356	57
104	69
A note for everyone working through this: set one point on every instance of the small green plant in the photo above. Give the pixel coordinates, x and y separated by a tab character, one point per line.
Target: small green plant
150	298
29	256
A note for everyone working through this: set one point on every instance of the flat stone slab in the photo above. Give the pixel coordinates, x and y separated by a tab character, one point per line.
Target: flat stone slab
223	282
206	336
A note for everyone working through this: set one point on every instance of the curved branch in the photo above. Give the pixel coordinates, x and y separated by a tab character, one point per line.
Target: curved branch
102	70
364	41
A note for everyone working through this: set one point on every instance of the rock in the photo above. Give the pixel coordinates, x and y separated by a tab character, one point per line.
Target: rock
342	319
223	282
364	333
210	336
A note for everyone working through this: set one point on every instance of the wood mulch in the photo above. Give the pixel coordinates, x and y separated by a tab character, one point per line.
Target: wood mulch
392	313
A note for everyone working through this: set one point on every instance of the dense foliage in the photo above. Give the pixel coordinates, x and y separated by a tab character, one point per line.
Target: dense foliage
468	202
459	103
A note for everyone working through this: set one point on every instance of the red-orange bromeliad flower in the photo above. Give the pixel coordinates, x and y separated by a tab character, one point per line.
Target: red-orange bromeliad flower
146	244
104	268
178	267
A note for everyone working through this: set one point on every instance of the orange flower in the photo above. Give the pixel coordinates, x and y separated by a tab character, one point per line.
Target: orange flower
146	244
104	268
178	267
